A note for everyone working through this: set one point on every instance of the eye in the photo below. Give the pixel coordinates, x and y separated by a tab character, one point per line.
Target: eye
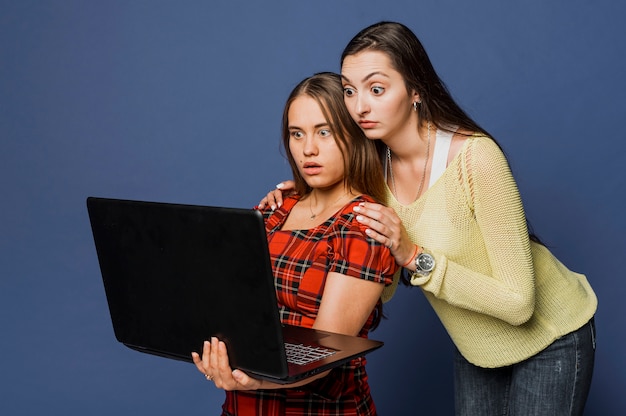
326	133
297	134
348	92
378	90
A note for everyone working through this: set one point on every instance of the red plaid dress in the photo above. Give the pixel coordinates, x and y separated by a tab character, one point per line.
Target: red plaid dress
301	260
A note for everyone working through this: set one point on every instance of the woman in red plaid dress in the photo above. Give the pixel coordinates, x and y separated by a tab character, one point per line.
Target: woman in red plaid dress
328	273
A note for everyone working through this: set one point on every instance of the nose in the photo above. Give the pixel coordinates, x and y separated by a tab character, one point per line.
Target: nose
310	146
361	104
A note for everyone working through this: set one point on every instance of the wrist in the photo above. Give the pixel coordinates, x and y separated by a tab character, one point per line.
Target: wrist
424	265
411	259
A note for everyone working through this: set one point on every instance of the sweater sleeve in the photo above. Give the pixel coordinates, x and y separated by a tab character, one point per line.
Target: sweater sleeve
494	274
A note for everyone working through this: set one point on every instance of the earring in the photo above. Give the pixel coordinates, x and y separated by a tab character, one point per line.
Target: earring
415	103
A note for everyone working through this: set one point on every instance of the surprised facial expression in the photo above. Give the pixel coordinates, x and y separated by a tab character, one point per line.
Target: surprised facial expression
312	144
376	95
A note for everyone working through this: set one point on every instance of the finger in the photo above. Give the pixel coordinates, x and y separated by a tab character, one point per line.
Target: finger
372	206
375	214
287	186
271	200
387	217
246	382
278	198
382	239
197	361
284	189
263	203
206	356
213	358
278	193
225	371
378	226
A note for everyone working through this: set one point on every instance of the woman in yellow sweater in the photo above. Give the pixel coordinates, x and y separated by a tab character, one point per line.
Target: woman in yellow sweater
521	321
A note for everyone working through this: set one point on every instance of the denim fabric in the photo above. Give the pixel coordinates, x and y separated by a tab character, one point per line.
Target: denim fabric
554	382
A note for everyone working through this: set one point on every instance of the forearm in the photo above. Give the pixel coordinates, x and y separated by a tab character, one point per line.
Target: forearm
483	258
480	292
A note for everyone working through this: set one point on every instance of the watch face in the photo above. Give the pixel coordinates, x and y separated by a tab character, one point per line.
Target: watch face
425	262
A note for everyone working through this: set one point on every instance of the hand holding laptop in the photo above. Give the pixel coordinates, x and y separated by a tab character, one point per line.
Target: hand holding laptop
220	278
215	366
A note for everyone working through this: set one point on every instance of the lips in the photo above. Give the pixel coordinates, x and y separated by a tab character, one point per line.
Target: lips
311	168
367	124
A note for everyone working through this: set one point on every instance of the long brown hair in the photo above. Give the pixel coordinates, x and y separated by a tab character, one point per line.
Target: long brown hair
362	169
409	58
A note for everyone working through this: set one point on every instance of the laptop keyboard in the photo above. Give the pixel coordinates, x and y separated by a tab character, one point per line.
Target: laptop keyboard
303	354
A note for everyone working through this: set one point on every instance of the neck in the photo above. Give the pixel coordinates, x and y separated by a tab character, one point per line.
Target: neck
321	200
409	171
411	145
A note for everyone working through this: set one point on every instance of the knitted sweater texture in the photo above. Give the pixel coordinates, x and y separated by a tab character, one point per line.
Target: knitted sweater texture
501	297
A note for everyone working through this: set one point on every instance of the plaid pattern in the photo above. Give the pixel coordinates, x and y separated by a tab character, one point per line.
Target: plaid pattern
301	260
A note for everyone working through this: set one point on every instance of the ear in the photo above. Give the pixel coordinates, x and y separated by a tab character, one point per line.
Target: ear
416	97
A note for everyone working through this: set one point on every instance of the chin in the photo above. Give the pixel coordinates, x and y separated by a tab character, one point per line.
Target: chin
371	136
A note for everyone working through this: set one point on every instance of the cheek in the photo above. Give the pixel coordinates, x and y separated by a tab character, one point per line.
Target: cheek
389	106
293	149
338	166
350	106
400	106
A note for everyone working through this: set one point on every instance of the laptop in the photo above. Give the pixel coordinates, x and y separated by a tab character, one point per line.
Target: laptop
175	275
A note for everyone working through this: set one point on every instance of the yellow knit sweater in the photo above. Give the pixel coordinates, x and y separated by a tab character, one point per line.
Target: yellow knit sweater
501	297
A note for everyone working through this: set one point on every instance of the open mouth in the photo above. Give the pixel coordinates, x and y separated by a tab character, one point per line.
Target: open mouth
311	168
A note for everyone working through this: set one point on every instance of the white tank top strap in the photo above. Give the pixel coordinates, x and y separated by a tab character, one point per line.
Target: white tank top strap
443	139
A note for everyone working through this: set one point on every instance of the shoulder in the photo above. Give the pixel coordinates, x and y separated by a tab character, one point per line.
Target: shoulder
346	218
275	218
463	141
348	209
478	148
481	140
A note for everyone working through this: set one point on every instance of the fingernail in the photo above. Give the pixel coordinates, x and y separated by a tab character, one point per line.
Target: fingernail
273	207
280	205
357	209
280	186
368	231
359	217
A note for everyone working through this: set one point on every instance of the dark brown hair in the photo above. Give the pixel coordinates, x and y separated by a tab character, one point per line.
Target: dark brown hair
409	58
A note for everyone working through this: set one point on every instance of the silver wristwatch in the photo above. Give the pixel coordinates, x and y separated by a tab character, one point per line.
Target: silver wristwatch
424	264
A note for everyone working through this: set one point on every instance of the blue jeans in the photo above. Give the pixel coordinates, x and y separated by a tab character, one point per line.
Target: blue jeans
554	382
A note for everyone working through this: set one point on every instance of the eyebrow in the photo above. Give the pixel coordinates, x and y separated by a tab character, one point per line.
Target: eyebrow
317	126
368	76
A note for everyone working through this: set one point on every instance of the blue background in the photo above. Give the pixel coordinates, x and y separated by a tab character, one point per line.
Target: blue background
180	101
